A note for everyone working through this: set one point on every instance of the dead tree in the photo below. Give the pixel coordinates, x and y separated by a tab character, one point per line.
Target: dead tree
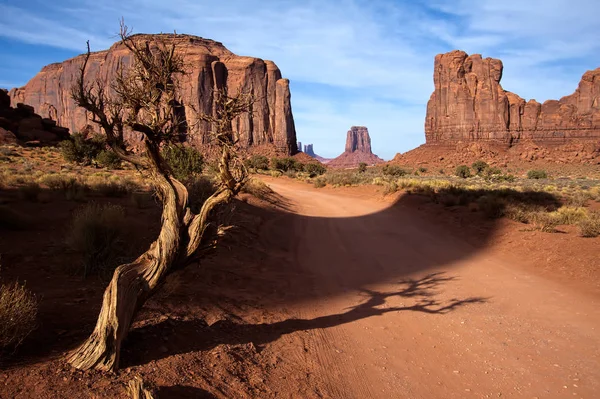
143	99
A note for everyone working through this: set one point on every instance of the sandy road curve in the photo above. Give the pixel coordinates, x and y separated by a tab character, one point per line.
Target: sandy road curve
408	311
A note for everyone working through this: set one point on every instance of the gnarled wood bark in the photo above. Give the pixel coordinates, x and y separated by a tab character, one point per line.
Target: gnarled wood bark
136	390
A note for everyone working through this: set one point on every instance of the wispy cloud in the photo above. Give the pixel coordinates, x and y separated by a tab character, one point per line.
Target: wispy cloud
350	61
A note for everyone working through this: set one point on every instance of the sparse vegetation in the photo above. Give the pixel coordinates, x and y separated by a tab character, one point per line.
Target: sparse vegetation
463	171
185	161
537	174
287	164
314	169
258	189
81	149
97	232
18	312
479	167
258	162
362	167
590	226
393	170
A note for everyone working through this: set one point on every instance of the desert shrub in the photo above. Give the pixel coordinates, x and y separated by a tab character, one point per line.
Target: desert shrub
287	164
113	189
97	233
18	312
72	188
314	169
258	162
570	214
491	206
447	199
30	191
258	189
492	171
199	189
463	171
393	170
362	167
320	182
479	167
11	219
544	221
590	226
579	199
80	149
108	159
185	161
517	212
390	188
422	169
537	174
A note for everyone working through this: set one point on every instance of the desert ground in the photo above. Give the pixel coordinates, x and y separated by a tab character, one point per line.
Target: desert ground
332	292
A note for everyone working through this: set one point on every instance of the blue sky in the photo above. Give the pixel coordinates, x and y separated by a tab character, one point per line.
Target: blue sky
350	62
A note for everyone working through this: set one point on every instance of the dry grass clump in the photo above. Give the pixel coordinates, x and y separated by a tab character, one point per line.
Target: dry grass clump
18	312
97	232
590	226
30	191
258	189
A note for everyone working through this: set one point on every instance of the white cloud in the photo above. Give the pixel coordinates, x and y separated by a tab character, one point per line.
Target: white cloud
372	61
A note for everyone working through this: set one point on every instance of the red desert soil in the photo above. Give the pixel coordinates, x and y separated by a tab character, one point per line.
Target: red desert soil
335	293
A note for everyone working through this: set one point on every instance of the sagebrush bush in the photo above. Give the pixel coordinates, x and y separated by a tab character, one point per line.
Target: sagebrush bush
97	232
393	170
320	182
491	206
258	162
479	167
463	171
590	226
108	159
81	149
314	169
537	174
287	164
362	167
18	313
185	161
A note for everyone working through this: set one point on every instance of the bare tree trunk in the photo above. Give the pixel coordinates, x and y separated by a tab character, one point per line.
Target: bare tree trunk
133	283
136	389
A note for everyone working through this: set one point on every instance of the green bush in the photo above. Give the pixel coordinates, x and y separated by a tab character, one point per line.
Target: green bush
463	171
185	161
393	170
97	232
80	149
479	167
108	159
537	174
320	182
362	167
422	169
258	162
287	164
314	169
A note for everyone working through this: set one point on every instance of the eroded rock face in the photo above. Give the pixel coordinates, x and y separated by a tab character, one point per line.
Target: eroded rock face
358	149
308	149
470	104
210	66
23	124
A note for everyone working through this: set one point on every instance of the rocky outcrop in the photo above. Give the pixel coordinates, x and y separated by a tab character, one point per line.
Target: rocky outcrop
308	149
22	124
358	149
469	104
210	66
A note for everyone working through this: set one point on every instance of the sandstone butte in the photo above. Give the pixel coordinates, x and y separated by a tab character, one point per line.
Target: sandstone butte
470	104
210	66
469	115
358	149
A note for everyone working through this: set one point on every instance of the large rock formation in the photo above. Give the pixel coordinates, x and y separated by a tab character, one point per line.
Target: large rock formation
22	124
470	104
358	149
309	150
210	66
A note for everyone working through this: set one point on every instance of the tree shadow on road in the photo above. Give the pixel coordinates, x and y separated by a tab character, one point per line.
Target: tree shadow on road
175	336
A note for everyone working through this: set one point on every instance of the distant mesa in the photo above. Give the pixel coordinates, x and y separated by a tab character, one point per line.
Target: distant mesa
470	113
358	149
22	125
211	66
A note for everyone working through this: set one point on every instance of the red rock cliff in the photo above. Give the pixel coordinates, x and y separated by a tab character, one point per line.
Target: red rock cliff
358	149
210	66
470	104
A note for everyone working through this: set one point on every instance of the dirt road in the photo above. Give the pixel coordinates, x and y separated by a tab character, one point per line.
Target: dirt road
401	309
